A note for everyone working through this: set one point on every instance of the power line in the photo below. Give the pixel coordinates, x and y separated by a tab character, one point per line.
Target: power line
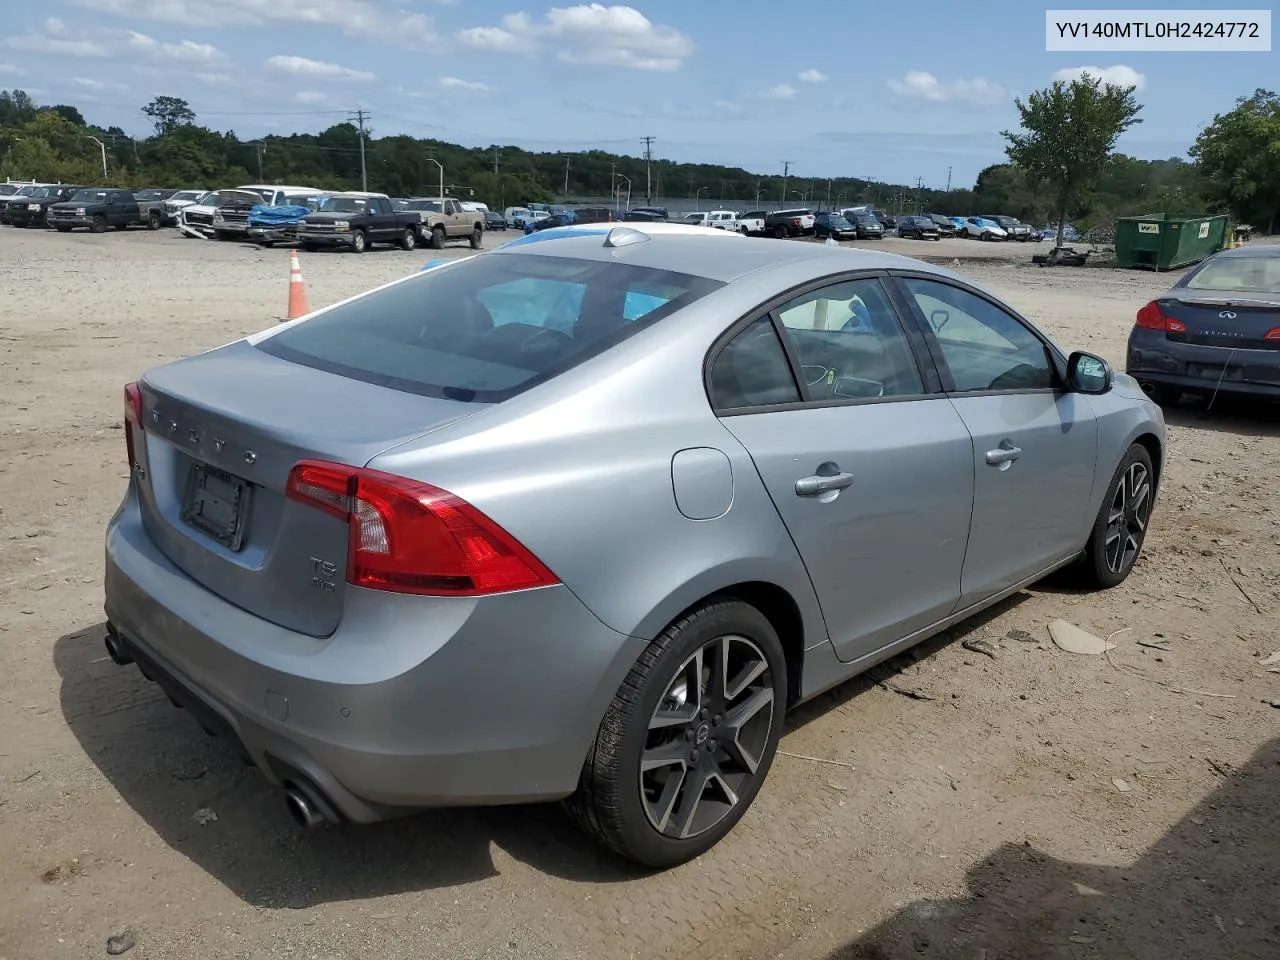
359	117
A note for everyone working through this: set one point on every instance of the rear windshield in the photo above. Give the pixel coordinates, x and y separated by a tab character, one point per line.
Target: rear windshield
1254	274
489	327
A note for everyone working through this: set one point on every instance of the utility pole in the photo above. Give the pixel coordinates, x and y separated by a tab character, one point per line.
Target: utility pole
359	116
260	148
648	162
786	170
565	195
496	157
613	184
948	179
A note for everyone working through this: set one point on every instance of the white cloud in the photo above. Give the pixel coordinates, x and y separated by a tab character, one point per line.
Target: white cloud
91	84
310	96
1120	75
812	76
454	83
302	67
490	38
216	79
9	70
592	33
55	39
918	85
370	19
782	91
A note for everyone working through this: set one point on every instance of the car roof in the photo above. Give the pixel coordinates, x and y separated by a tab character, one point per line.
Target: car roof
358	193
714	254
1253	250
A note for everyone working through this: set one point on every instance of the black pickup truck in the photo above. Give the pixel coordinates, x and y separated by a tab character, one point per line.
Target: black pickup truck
358	220
96	208
30	211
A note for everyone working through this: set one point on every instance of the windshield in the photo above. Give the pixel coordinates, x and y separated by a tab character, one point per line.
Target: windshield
6	189
344	205
150	195
25	191
302	200
210	200
431	206
90	196
40	193
1252	274
186	195
487	328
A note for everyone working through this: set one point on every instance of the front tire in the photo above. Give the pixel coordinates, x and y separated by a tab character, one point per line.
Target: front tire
359	242
153	222
688	739
1121	525
477	238
99	224
437	238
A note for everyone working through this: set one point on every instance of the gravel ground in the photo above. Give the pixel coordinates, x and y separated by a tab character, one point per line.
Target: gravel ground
985	821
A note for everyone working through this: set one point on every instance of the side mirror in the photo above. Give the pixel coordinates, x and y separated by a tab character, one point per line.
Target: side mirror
1087	373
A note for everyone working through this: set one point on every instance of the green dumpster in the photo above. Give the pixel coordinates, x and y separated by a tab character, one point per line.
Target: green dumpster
1161	242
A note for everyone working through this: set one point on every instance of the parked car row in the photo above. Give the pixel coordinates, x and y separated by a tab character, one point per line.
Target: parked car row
65	207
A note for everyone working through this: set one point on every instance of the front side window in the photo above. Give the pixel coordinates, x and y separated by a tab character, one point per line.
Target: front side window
850	344
488	327
985	347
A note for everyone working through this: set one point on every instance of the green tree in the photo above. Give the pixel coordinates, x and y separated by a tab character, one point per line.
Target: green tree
1069	131
1238	156
169	113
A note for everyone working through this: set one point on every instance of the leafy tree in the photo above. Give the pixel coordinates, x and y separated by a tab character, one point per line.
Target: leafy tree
1069	131
1238	155
169	113
68	113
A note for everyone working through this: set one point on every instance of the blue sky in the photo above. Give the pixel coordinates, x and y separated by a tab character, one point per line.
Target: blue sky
892	91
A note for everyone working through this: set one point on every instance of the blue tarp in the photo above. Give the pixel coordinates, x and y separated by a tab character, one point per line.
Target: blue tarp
266	216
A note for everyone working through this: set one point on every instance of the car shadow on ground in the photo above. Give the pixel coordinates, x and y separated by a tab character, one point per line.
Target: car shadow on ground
1244	416
170	773
1206	889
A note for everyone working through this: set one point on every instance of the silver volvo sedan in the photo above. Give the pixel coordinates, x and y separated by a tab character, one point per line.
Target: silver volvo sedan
582	517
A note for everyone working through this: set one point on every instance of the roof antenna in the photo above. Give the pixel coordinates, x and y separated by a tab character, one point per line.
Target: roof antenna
624	236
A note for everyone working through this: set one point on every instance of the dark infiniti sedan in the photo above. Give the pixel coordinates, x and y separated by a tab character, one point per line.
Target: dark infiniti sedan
1217	330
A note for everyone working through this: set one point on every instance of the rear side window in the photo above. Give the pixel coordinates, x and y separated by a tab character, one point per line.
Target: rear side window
489	327
752	370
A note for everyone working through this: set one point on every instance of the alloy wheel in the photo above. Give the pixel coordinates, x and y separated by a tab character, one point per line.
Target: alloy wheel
1127	518
707	737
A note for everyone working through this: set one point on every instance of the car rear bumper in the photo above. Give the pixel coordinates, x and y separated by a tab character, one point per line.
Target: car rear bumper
413	702
1153	358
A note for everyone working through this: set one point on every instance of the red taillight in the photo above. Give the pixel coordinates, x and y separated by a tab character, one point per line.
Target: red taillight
796	222
132	418
410	537
1272	334
1151	317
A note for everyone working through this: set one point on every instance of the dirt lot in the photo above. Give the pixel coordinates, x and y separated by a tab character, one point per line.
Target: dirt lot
983	822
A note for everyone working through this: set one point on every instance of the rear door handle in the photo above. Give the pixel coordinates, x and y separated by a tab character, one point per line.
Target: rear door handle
1005	453
816	486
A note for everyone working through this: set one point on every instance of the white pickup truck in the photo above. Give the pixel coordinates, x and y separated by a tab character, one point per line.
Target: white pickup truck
751	223
719	219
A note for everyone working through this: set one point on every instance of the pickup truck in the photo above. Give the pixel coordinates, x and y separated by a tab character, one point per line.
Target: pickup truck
98	208
443	220
151	209
231	220
789	223
30	211
358	220
751	223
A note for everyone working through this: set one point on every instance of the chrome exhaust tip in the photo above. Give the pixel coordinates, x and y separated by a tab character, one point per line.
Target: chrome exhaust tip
304	812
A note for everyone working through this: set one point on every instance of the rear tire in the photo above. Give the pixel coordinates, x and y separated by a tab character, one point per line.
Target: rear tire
477	238
408	239
1120	528
656	787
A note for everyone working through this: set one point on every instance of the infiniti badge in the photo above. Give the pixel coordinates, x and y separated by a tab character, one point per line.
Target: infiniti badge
1226	315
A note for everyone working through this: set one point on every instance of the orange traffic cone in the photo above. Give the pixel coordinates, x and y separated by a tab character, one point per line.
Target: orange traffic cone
297	289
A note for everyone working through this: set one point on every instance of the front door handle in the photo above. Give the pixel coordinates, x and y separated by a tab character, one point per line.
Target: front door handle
816	486
1005	453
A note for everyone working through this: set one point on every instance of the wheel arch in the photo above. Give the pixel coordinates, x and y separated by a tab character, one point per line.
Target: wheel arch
778	605
1155	449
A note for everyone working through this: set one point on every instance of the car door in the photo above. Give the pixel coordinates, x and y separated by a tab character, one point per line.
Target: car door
122	208
869	465
1034	442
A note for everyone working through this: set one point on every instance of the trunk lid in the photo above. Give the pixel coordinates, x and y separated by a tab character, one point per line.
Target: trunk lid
222	431
1234	321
